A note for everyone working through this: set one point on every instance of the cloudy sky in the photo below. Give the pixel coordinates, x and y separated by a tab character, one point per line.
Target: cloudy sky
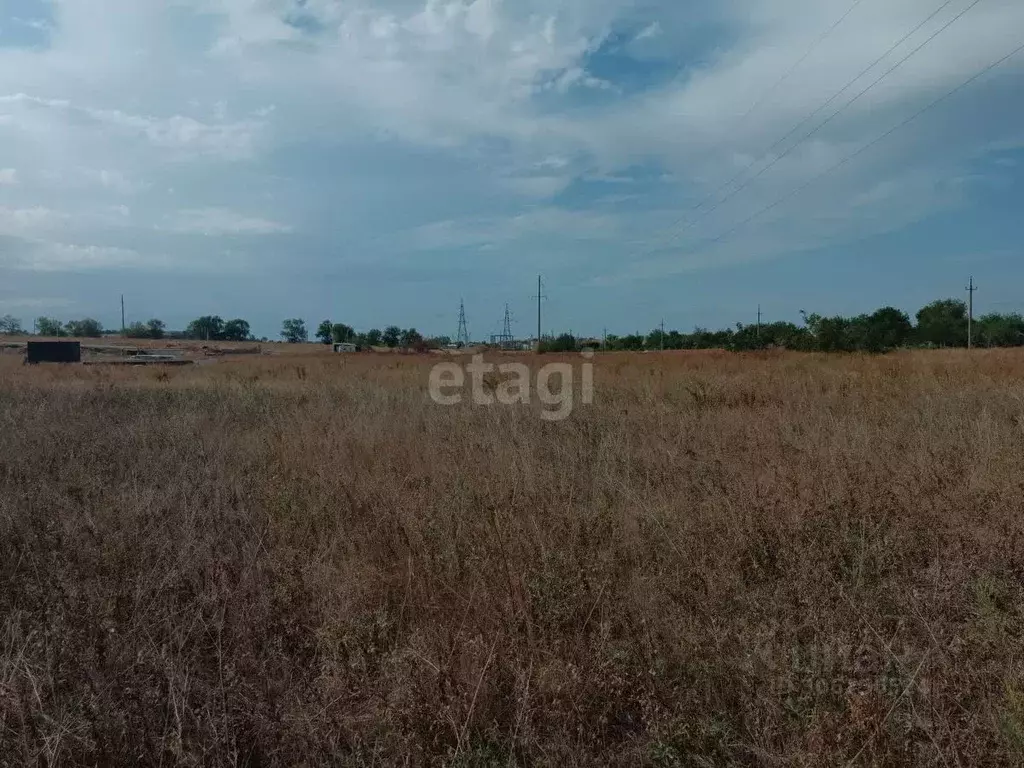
374	161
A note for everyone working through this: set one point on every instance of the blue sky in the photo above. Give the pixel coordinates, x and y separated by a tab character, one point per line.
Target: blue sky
374	162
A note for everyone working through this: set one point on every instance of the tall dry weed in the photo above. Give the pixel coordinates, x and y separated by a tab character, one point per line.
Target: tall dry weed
753	560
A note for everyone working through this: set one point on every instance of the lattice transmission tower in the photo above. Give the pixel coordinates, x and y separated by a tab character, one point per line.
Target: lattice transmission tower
506	339
462	339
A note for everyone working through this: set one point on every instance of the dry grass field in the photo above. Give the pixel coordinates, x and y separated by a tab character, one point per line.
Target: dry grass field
725	560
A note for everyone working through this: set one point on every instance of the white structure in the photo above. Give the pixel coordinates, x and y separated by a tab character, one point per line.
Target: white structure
345	348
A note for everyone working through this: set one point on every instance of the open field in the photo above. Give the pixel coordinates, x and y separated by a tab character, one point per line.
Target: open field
745	560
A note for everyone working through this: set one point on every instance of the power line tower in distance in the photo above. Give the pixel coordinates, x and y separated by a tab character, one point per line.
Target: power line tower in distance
462	339
505	339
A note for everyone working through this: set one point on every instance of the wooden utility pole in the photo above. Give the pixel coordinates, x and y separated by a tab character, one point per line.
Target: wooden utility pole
759	321
122	315
971	288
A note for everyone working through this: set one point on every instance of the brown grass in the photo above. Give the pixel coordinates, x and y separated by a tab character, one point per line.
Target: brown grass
760	560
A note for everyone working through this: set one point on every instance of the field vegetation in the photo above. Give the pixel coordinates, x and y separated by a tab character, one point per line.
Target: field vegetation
761	559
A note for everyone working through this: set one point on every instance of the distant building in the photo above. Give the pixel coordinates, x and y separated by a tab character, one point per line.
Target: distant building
345	347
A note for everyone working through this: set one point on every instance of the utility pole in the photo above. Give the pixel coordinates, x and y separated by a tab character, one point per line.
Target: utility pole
539	297
759	321
971	288
122	315
663	334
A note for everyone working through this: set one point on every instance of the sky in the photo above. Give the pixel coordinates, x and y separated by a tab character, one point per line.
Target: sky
376	162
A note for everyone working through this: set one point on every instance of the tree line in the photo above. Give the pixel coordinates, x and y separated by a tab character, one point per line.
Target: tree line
393	337
208	328
942	323
215	328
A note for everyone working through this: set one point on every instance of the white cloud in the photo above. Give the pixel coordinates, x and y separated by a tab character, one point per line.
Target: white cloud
93	179
8	177
61	256
651	30
184	135
218	221
157	96
28	302
44	256
554	223
24	221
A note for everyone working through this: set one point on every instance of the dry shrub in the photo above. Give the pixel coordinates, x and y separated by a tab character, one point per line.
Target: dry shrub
745	560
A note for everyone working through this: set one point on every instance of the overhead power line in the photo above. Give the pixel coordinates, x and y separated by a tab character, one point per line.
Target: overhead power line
849	158
789	72
838	112
821	125
826	103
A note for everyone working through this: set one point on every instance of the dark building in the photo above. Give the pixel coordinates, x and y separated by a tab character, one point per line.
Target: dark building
54	352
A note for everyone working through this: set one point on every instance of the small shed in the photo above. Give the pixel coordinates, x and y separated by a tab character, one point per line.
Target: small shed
53	352
345	348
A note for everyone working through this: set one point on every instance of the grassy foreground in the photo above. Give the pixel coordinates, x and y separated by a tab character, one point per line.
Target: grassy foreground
726	560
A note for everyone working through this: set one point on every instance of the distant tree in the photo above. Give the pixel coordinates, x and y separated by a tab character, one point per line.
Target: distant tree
564	343
47	326
294	331
324	332
634	342
11	326
411	339
392	336
87	328
833	334
206	328
943	323
996	330
372	338
137	330
343	334
884	330
236	330
438	342
156	328
654	339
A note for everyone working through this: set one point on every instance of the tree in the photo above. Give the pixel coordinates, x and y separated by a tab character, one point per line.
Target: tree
831	334
294	331
343	334
996	330
156	328
372	338
11	326
564	343
411	338
206	328
655	339
325	332
885	329
392	336
634	342
236	330
943	323
87	328
47	326
137	330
